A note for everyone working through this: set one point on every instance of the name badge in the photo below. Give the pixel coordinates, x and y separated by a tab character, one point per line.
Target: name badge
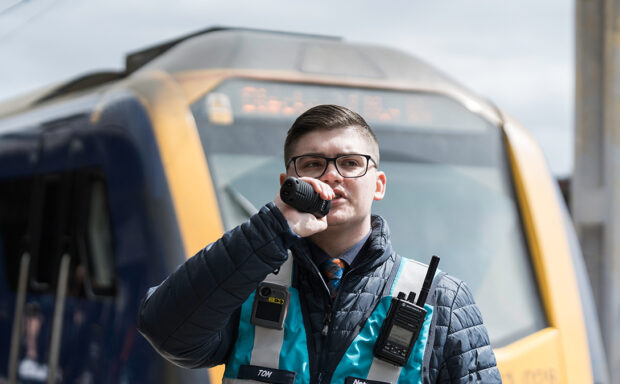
357	380
266	375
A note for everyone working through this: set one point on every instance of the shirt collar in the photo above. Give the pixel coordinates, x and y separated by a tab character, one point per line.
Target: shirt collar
319	256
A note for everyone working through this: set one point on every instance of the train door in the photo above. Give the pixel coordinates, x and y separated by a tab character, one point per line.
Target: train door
61	210
42	262
90	281
18	154
81	241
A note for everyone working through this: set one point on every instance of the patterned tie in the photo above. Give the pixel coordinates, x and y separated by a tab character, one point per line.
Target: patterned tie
332	271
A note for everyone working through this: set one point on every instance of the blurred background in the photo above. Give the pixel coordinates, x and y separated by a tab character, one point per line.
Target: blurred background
549	264
520	55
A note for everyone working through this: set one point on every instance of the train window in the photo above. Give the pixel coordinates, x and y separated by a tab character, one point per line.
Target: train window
449	187
14	208
73	219
38	230
93	232
51	225
100	251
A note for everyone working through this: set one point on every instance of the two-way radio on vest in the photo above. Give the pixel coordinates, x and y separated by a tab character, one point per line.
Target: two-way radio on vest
403	322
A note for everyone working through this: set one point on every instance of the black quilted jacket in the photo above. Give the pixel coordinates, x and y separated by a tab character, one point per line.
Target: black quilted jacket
192	317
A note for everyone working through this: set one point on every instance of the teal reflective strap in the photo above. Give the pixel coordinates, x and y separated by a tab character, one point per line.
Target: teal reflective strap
291	351
358	357
294	352
242	351
356	361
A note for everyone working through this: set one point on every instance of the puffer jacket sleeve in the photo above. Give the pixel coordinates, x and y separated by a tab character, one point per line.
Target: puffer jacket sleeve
191	318
463	353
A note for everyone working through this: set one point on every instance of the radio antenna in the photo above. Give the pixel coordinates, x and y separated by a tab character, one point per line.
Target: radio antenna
428	279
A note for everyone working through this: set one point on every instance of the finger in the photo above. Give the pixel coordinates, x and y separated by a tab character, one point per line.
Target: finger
278	201
318	226
323	189
308	226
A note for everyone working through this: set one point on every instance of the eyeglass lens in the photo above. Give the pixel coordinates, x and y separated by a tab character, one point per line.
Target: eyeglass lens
346	165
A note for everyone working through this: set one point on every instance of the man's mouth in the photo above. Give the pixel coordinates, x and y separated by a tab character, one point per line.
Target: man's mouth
339	196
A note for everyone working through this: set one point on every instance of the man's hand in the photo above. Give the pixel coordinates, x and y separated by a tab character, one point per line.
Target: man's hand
306	224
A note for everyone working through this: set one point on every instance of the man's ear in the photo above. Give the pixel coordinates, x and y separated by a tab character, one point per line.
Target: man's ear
380	186
282	178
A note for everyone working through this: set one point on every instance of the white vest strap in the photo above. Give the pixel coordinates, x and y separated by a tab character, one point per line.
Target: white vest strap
285	273
410	279
268	341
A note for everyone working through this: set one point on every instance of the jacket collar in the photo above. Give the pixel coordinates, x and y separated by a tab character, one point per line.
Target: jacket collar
378	248
375	252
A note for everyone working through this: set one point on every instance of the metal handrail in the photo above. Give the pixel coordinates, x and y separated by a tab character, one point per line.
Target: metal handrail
59	308
17	318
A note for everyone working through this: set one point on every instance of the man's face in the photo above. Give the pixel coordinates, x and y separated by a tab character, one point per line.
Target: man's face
354	196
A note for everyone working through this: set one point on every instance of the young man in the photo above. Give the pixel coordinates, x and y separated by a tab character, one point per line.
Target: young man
340	271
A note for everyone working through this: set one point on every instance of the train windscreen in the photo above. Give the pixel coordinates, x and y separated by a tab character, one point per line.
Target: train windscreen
449	188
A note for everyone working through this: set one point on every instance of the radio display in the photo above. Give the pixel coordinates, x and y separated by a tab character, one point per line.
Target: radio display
400	335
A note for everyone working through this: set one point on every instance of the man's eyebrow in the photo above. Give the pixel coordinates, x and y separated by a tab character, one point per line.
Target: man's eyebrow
322	154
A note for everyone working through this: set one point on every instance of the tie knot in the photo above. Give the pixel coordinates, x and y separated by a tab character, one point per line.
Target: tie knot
332	270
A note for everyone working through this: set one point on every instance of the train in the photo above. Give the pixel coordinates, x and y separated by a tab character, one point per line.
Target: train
110	180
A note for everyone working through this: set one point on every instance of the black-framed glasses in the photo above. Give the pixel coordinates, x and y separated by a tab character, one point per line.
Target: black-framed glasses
350	165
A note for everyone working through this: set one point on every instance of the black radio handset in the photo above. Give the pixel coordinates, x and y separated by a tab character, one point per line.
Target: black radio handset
302	196
403	322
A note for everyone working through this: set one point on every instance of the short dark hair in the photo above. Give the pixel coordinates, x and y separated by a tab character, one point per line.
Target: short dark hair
327	117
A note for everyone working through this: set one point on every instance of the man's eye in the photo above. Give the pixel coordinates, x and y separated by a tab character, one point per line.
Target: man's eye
308	164
349	162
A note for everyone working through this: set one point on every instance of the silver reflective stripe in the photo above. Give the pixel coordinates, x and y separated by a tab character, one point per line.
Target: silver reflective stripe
284	275
383	371
267	345
410	279
268	341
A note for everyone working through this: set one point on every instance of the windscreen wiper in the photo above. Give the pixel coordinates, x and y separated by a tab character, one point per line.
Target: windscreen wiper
242	201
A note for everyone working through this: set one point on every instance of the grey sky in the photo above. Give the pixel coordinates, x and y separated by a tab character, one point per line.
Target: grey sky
519	54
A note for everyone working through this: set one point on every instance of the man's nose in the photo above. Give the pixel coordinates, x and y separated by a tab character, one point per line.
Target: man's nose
331	173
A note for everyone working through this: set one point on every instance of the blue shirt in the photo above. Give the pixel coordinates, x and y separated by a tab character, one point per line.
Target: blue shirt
319	256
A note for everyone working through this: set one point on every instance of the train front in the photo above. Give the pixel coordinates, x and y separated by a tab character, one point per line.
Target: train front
464	182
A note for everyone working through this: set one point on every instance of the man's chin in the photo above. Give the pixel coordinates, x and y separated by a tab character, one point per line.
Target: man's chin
339	218
336	219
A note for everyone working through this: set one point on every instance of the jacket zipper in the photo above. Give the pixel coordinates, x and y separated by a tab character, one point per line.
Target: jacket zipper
326	335
326	319
326	331
324	373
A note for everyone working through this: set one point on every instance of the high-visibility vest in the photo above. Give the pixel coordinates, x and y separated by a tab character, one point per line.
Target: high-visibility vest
265	355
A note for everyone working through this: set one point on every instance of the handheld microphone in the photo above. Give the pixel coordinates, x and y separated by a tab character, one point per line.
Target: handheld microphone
302	196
